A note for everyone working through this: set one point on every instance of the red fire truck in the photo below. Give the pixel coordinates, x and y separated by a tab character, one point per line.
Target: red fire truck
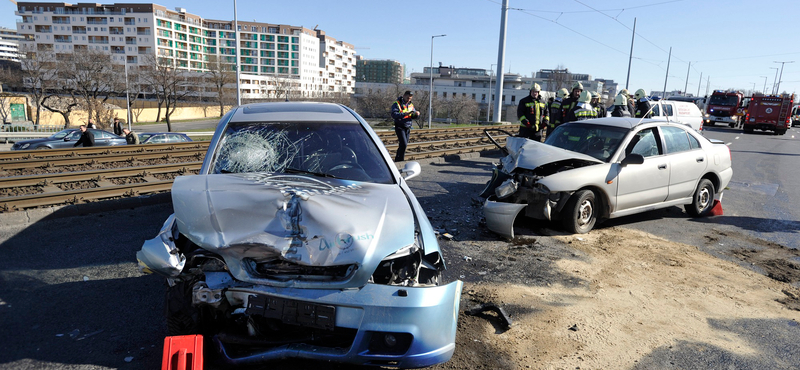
769	112
724	107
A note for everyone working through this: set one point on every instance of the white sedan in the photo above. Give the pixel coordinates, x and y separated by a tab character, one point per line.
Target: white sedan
605	168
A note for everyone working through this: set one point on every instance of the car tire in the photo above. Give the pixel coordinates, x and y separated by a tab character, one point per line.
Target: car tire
748	129
780	132
580	212
702	199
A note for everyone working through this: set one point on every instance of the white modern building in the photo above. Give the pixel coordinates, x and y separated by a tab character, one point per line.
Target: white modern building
314	63
9	44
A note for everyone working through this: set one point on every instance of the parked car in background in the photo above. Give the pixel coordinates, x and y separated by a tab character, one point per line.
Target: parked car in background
679	111
163	137
603	168
67	138
300	238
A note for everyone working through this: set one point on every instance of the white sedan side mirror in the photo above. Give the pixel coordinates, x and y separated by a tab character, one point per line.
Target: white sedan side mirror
411	170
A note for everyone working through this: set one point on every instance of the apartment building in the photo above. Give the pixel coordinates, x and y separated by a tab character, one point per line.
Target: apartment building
9	44
380	71
272	57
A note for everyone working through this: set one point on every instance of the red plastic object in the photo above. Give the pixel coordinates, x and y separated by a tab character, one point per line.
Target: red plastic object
183	352
716	210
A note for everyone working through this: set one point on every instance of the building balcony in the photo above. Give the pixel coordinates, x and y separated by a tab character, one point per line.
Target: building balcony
143	33
97	22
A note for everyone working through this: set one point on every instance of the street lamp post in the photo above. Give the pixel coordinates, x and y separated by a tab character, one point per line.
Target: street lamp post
778	88
489	97
238	68
430	92
765	84
775	80
127	96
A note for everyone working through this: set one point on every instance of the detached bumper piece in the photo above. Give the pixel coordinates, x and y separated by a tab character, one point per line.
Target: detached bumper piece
377	325
500	216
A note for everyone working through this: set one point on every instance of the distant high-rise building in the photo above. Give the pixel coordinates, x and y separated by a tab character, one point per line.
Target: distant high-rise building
314	63
380	71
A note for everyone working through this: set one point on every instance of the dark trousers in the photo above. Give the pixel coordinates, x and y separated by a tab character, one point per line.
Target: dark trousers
402	142
529	133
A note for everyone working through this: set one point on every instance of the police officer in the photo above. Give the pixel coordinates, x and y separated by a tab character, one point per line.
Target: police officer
569	103
532	114
403	113
642	104
598	105
555	111
583	108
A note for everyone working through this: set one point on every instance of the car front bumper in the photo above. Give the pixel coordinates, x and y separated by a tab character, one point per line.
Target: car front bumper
500	216
428	314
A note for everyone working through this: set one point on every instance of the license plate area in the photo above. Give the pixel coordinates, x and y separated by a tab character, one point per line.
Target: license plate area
293	312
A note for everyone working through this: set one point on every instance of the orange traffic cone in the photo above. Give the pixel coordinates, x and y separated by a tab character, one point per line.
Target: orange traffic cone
183	353
716	210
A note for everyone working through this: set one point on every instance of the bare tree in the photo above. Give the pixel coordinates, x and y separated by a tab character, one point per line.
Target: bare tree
38	74
220	75
167	81
61	102
93	79
558	78
462	108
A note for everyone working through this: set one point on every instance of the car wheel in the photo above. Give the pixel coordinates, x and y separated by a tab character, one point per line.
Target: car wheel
42	148
702	200
781	132
580	212
748	129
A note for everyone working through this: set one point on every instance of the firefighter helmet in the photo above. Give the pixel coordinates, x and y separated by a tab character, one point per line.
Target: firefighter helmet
640	94
625	92
536	87
577	85
585	97
595	95
563	93
620	100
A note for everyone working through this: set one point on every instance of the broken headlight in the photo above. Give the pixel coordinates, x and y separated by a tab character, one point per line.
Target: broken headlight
505	189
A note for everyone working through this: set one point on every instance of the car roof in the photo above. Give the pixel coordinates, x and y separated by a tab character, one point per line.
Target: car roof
293	111
162	133
621	122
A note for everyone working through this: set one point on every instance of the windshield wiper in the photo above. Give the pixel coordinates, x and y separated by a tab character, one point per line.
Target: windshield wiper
320	174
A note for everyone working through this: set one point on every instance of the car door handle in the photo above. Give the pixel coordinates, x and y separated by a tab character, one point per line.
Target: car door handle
662	166
700	159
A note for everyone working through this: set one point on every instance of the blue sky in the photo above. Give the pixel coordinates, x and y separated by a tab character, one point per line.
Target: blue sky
734	42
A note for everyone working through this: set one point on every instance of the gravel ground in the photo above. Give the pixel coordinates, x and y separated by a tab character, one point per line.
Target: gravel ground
72	298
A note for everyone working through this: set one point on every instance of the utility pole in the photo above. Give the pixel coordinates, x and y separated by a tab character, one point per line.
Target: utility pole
630	58
686	86
778	88
236	37
669	58
700	83
501	56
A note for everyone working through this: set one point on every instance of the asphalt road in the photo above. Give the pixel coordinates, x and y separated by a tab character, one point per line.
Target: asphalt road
71	295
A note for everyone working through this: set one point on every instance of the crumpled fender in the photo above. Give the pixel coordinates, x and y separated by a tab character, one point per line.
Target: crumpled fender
160	255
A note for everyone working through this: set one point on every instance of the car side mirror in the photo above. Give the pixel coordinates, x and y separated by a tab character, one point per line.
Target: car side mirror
632	158
66	138
411	170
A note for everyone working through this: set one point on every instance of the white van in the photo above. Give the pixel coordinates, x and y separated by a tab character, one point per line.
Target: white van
679	111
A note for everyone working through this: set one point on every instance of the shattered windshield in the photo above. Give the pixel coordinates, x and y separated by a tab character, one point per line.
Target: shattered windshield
597	141
338	150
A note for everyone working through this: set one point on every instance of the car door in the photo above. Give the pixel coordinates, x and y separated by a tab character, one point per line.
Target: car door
687	161
647	183
68	141
101	138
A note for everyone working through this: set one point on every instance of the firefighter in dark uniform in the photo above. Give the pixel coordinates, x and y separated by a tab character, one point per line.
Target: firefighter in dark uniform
642	104
569	103
583	108
598	105
629	101
554	109
532	114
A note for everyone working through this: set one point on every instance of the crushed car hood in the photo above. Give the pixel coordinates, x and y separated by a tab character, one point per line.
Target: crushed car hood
529	154
307	220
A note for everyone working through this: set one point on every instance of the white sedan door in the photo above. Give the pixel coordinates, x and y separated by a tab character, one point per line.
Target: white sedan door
646	183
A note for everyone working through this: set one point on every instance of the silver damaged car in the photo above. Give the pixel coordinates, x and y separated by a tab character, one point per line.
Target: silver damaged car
299	238
602	168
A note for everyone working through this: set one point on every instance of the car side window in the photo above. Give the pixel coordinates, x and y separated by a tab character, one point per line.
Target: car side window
158	139
676	138
668	110
694	142
644	143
